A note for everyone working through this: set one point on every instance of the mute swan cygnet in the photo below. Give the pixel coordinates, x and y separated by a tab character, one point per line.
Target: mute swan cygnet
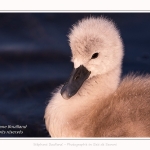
94	102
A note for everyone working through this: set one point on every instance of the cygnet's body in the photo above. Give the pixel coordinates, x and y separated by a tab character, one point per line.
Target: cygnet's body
94	102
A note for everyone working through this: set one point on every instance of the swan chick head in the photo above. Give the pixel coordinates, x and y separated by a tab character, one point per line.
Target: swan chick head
96	48
96	44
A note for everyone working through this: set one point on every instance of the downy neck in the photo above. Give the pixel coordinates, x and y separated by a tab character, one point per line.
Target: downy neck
99	87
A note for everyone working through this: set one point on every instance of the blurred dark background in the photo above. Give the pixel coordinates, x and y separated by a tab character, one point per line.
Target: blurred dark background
35	59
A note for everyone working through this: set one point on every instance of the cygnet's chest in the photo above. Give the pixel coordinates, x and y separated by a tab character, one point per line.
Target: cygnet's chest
61	118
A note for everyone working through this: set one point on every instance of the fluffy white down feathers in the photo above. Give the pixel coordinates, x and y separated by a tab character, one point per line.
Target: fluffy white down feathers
103	106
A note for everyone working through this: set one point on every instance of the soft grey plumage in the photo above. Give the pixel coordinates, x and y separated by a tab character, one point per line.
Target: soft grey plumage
102	106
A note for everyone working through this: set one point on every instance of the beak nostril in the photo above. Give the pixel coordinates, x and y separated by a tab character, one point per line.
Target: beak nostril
76	77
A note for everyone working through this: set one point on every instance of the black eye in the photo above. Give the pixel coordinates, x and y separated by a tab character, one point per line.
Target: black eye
95	55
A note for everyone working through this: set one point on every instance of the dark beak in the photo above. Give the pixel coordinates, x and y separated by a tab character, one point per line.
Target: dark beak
77	78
